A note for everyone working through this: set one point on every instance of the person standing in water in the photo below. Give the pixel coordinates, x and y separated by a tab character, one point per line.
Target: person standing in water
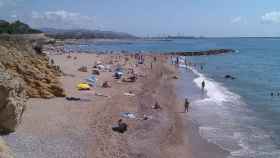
201	67
203	85
187	105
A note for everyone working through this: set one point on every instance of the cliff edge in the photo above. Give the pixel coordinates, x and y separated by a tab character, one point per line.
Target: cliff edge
25	60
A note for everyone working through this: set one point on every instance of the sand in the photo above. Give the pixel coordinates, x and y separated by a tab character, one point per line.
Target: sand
57	128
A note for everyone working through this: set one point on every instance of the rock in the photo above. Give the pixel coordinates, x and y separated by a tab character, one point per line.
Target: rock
207	52
12	102
83	69
229	77
5	151
38	48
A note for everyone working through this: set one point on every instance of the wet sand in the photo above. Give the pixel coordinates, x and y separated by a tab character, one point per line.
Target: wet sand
59	128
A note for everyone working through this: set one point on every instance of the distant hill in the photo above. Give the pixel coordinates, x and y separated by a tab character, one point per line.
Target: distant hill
84	34
16	27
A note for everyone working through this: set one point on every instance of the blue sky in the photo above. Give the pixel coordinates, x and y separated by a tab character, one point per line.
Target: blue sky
151	17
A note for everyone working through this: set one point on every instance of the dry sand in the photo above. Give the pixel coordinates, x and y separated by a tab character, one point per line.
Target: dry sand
57	128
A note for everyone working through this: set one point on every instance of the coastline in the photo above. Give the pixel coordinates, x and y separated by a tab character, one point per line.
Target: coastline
84	128
187	88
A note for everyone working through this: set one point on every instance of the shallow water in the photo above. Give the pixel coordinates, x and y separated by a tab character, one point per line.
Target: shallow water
238	115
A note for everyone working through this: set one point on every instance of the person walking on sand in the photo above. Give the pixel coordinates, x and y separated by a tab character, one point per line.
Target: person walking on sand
177	60
187	105
203	85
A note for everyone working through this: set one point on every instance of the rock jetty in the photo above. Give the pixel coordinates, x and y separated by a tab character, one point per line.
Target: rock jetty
200	53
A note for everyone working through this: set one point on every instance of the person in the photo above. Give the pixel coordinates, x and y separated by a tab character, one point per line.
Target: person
187	104
156	106
203	85
177	60
121	127
201	67
52	61
106	85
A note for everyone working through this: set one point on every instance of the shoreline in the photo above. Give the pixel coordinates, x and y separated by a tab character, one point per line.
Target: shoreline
86	125
193	93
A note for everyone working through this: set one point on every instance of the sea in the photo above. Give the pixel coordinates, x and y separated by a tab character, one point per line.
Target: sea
241	115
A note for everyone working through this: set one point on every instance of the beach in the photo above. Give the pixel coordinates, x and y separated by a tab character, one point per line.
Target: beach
61	128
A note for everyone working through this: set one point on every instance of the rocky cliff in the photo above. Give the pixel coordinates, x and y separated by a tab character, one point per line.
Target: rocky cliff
24	60
24	72
12	101
5	151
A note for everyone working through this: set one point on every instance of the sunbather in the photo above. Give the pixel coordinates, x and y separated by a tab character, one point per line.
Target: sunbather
121	127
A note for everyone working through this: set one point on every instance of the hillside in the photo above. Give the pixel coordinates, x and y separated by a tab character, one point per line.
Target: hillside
16	27
85	34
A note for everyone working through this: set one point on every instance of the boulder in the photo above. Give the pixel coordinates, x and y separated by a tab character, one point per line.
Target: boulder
5	151
229	77
12	102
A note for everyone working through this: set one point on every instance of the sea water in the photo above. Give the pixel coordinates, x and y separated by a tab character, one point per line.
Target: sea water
239	115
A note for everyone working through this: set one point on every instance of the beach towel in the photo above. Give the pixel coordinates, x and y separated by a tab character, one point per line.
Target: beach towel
92	79
129	94
128	115
83	86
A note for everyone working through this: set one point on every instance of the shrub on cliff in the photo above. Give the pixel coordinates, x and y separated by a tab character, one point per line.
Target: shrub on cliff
16	27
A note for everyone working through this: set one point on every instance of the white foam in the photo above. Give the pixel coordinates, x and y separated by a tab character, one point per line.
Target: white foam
215	91
226	122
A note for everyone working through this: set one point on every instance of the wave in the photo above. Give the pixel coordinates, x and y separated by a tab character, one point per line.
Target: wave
226	120
214	90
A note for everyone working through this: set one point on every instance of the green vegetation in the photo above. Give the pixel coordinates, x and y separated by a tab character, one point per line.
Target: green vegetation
16	27
85	34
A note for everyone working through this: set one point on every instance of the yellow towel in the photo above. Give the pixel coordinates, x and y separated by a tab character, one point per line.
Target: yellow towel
83	86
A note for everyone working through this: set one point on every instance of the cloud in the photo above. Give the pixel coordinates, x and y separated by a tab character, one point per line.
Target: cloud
238	19
14	16
271	17
58	19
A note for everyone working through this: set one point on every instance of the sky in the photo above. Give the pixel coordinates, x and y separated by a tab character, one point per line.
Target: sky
210	18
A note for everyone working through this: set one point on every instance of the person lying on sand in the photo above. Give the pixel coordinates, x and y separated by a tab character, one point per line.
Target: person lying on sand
121	127
156	106
106	85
